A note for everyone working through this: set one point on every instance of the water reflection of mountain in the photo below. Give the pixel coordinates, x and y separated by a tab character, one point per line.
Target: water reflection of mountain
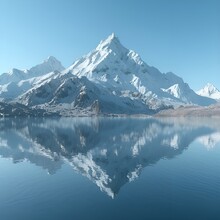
110	152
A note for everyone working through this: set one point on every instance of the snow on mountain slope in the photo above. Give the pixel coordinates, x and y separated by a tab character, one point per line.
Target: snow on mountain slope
174	90
123	72
16	82
186	95
54	90
69	91
209	91
210	141
15	75
49	65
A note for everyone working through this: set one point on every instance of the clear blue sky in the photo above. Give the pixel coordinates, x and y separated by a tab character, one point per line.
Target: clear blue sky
182	36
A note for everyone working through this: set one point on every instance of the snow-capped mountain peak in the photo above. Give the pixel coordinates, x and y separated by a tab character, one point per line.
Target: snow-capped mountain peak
123	72
15	75
210	88
16	82
111	44
174	90
107	59
49	65
210	91
51	60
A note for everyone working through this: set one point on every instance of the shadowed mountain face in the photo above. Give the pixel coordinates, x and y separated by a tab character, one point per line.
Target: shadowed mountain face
110	152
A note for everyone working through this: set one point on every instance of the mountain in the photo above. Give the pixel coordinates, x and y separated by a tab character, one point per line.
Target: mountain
110	79
123	72
16	82
64	91
209	91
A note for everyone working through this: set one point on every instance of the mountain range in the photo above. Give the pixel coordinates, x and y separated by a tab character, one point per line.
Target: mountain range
111	79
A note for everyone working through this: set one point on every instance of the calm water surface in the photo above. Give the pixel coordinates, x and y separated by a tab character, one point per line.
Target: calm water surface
96	168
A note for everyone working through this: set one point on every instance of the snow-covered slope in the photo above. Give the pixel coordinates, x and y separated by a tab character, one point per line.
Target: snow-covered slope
123	72
69	91
209	91
210	141
16	82
15	75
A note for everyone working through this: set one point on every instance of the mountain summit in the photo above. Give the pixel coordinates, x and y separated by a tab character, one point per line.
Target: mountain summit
15	75
111	43
209	91
122	71
16	82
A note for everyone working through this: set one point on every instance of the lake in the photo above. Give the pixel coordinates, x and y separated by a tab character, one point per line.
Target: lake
109	168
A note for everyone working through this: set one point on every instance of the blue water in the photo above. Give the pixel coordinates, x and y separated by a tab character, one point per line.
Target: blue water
97	168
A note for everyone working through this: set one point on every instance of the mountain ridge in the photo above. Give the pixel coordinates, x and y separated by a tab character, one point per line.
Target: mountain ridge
16	82
110	77
120	69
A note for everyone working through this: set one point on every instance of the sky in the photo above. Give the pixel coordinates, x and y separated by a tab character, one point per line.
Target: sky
182	36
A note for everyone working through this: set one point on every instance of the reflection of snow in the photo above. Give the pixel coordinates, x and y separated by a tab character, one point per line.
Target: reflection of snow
21	148
134	174
103	152
138	145
82	140
108	152
135	150
172	142
87	166
3	143
210	141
